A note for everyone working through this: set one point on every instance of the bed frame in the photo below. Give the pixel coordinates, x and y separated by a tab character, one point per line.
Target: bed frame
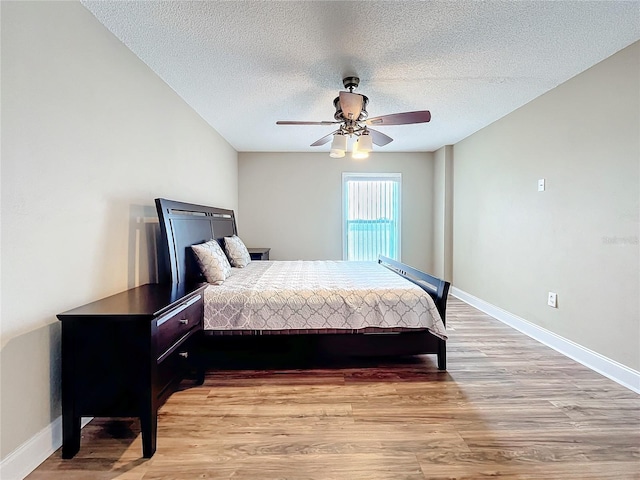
185	224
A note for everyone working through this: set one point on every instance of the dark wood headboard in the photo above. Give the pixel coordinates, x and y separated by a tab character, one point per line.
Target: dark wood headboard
185	224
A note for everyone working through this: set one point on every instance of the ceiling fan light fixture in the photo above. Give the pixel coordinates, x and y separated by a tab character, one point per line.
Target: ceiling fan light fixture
338	146
365	143
362	147
359	155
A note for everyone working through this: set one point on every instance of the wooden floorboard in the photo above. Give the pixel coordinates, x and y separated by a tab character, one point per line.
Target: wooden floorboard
508	407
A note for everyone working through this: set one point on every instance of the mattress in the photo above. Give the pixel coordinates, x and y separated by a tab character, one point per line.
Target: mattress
318	296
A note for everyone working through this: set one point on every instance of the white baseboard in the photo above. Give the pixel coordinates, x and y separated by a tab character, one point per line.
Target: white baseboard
26	458
617	372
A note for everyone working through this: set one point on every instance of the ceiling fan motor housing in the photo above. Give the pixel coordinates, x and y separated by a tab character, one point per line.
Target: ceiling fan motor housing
339	116
351	83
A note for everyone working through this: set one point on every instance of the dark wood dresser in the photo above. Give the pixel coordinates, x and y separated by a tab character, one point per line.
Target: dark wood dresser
122	356
259	253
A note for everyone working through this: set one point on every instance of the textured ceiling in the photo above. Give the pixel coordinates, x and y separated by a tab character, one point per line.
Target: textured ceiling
242	65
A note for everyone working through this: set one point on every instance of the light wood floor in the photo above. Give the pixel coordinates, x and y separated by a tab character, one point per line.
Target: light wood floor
507	407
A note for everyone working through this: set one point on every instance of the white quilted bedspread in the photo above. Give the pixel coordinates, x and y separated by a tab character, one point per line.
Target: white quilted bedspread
284	295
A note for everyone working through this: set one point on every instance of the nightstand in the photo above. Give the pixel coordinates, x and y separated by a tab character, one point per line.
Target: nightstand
122	356
259	253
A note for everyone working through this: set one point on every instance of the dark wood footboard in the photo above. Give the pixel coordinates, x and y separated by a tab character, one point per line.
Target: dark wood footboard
436	287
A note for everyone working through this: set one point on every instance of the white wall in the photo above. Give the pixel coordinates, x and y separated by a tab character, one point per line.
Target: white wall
579	238
90	136
292	202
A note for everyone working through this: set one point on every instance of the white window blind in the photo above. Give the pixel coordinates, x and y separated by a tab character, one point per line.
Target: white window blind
371	215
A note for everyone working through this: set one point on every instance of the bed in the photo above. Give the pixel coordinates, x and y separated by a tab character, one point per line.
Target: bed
389	313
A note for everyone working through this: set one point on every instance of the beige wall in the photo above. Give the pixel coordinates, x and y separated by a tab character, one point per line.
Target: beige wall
443	213
90	136
292	202
579	238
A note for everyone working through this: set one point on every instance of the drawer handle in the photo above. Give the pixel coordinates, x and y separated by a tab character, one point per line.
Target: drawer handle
184	321
176	311
184	354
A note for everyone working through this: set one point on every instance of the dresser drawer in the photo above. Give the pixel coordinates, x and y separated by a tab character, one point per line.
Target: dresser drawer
170	370
178	322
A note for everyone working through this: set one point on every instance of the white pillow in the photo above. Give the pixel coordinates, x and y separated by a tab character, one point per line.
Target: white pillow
213	262
238	253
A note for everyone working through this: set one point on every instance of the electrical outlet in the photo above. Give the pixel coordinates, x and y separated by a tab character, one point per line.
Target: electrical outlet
553	300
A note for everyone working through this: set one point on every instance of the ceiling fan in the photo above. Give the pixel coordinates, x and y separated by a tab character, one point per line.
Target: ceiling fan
352	117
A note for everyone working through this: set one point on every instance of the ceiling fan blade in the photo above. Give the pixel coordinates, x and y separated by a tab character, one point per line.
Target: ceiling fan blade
379	138
405	118
323	140
285	122
351	105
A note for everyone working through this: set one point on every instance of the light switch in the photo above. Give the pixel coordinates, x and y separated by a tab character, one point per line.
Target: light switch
541	185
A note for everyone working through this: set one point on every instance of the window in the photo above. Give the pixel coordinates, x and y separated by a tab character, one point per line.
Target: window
371	215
